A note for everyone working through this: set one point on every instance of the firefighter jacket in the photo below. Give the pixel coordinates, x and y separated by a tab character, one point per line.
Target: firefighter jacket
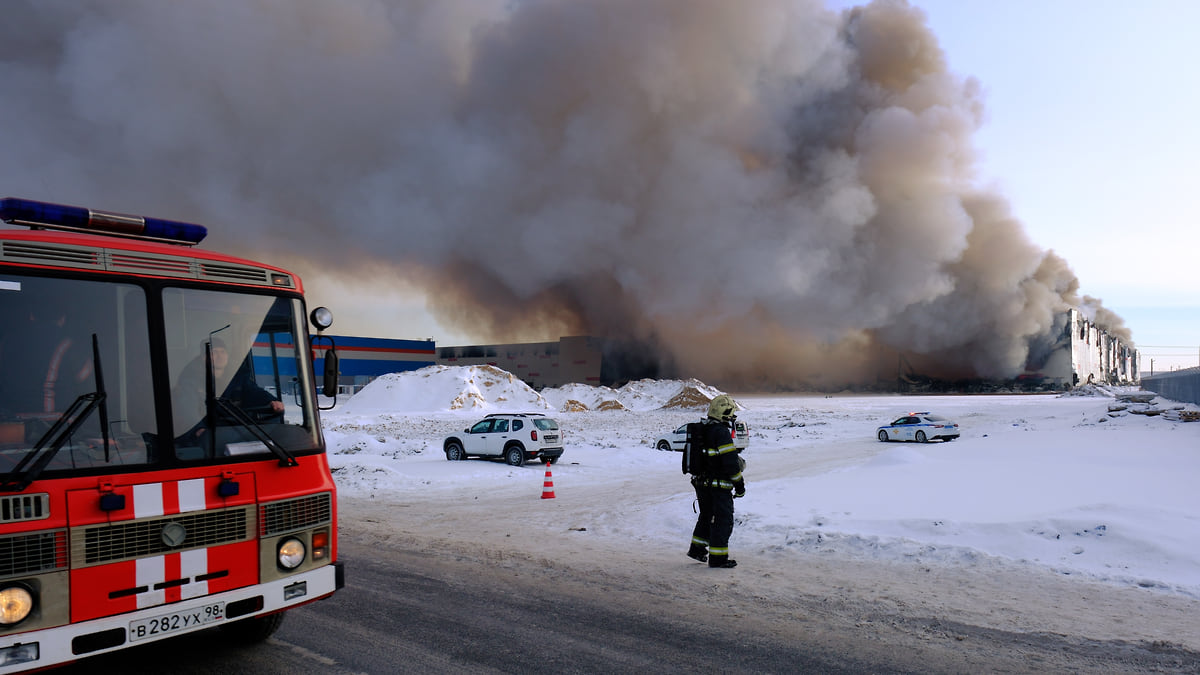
724	466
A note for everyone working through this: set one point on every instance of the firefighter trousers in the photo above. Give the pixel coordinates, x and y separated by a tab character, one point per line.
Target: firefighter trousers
715	522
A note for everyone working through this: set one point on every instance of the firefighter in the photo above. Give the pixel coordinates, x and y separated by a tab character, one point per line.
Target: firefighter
239	388
717	486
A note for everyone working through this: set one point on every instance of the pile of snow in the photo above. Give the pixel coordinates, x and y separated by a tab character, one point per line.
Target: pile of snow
485	389
442	388
637	396
1083	485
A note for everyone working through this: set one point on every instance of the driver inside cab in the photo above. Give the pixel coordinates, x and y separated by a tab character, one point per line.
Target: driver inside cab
237	388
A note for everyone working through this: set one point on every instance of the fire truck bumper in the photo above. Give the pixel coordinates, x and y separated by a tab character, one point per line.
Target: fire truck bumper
63	644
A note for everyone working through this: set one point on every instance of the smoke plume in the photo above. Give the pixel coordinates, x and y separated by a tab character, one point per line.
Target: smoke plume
765	192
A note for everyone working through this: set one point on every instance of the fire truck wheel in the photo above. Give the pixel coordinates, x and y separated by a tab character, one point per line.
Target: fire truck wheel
257	629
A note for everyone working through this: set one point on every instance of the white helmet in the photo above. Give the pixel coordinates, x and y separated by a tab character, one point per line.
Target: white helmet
721	408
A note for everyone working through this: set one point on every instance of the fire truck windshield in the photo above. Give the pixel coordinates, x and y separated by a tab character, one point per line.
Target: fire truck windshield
235	370
156	403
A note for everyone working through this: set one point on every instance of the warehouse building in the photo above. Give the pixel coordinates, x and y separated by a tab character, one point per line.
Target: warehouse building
1083	353
1076	352
578	359
362	359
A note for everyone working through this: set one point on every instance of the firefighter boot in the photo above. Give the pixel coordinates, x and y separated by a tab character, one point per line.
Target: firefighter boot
698	552
721	561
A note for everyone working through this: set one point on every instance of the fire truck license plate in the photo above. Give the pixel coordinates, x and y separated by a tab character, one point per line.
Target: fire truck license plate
172	623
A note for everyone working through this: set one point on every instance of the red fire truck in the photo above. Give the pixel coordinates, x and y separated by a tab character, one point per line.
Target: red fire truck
162	467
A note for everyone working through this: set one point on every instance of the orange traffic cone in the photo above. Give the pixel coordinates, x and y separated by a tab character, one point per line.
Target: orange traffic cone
548	486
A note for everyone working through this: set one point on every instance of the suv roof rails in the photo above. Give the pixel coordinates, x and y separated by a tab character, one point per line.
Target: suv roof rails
512	414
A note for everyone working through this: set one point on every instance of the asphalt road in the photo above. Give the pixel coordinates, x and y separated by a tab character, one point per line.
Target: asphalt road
410	612
438	611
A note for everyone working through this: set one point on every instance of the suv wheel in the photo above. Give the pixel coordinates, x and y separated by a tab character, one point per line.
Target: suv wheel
515	455
454	452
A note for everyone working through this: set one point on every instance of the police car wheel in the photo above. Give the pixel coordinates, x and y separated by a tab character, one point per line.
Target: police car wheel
883	435
920	437
664	445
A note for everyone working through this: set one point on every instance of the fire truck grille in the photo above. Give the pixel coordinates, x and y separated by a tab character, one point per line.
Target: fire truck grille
35	253
136	262
151	264
225	271
139	538
33	553
19	508
295	514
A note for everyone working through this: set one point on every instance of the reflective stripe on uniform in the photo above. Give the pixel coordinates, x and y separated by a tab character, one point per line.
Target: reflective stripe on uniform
717	483
722	450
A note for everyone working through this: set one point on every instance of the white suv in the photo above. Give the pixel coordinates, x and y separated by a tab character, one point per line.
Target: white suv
516	437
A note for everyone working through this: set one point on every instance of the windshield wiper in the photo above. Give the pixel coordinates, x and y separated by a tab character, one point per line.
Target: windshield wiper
63	428
213	402
244	420
51	442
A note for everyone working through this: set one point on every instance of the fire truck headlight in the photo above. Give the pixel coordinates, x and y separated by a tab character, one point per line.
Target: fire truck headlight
291	553
16	602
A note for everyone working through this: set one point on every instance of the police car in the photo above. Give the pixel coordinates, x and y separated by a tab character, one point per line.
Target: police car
921	427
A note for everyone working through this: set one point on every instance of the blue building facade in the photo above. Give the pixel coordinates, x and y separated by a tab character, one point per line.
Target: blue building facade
362	359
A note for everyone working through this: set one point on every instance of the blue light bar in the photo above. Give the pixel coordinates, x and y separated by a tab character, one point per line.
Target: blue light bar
60	216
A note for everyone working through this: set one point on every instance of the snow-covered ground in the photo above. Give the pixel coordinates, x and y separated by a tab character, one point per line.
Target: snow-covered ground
1077	484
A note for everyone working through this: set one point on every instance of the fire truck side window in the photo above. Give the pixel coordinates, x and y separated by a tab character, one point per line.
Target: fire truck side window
48	363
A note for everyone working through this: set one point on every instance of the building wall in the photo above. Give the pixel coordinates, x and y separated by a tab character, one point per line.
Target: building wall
538	364
1099	357
1081	353
1177	385
1075	352
362	359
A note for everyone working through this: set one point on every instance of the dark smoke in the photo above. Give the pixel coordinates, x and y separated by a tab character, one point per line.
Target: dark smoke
766	191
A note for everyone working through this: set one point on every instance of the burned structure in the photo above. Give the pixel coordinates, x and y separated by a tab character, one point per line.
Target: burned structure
1076	351
568	360
1081	352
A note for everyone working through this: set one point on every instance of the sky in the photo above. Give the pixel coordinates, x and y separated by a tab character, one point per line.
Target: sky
824	189
1089	131
1071	484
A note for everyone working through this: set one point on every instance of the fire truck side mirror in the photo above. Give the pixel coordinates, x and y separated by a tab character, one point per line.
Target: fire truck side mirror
322	318
330	385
